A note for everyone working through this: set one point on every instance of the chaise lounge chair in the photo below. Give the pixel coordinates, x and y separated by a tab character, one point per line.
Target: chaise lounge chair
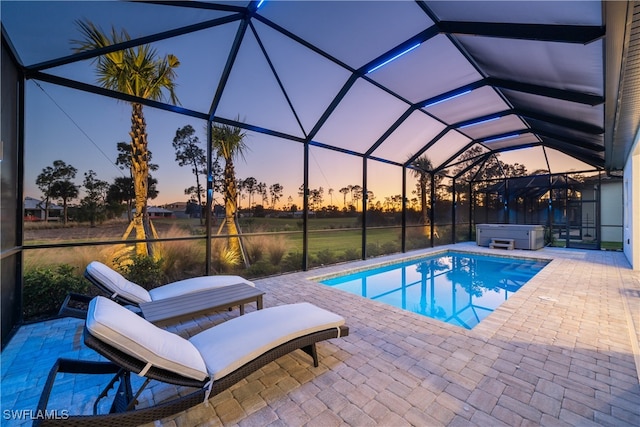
210	361
130	294
126	292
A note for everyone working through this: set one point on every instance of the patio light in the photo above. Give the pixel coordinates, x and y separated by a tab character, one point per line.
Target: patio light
479	122
438	101
393	58
500	138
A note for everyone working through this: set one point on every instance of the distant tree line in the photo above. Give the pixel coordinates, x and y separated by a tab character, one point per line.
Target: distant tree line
102	200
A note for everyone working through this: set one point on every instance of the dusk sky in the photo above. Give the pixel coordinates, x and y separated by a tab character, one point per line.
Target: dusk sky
83	129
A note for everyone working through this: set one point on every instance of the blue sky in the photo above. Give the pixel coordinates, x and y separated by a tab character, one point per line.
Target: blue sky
83	129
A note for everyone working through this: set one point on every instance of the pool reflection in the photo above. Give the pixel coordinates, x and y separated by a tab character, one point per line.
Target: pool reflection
460	289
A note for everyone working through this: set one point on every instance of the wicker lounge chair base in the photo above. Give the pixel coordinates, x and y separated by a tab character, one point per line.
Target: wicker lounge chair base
75	305
188	297
123	412
125	292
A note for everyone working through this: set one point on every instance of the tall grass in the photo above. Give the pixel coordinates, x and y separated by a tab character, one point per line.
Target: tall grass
46	225
181	259
77	257
264	247
184	259
277	247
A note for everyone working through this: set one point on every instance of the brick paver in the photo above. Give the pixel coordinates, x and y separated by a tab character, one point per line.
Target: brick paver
561	351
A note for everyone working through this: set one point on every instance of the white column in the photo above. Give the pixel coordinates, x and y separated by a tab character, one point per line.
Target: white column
631	191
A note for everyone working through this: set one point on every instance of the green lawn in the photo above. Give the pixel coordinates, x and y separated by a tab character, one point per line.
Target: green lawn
351	239
249	225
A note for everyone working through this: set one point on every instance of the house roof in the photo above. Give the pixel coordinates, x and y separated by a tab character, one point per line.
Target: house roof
156	209
34	204
386	81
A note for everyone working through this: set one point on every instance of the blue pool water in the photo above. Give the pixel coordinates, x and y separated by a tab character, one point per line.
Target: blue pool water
454	287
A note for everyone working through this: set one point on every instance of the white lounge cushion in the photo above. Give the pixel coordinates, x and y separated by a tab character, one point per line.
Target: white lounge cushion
231	344
135	293
195	284
115	282
130	333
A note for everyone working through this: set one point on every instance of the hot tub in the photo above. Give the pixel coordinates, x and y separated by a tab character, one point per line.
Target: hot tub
525	236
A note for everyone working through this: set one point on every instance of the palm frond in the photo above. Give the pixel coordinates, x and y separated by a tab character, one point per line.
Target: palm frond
135	71
228	141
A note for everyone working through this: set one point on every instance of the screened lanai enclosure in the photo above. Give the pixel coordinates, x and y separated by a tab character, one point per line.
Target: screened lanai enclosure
358	129
578	211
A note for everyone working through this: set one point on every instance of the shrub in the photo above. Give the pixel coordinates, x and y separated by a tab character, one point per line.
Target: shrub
292	262
373	250
390	248
351	254
261	269
325	257
418	237
45	289
144	270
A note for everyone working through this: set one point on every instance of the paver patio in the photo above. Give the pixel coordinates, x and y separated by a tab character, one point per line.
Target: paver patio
561	351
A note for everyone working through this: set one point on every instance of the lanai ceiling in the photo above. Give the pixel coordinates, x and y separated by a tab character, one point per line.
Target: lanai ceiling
383	80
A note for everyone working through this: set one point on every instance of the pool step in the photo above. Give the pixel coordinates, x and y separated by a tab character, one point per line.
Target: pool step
507	244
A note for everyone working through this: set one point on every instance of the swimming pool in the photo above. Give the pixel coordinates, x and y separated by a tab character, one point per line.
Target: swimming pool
454	287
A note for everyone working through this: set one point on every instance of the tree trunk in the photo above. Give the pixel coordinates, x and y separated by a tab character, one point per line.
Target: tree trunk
92	219
129	208
230	199
140	174
423	199
195	168
64	210
46	210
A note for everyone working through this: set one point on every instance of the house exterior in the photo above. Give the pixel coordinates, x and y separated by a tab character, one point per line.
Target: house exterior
158	212
179	209
34	210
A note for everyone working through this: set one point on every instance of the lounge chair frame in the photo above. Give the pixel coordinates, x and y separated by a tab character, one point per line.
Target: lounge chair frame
69	307
108	292
122	365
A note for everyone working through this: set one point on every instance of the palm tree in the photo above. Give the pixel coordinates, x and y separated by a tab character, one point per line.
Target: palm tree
356	195
421	168
228	142
251	186
276	193
344	191
137	71
262	191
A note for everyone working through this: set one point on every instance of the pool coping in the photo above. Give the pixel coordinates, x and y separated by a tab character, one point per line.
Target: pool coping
410	258
568	359
435	253
499	318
